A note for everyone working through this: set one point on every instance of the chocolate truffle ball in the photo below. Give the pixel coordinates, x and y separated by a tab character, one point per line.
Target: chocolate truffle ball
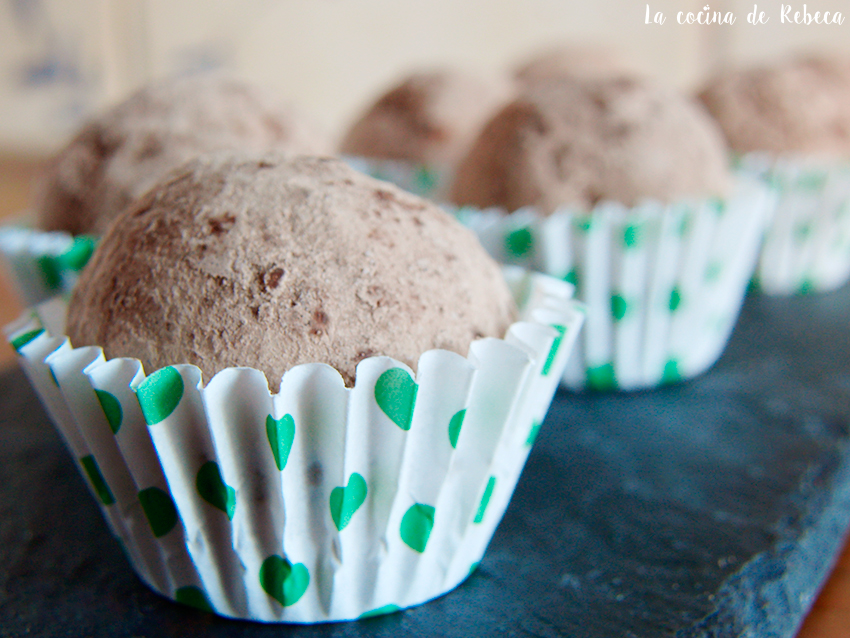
430	117
119	155
572	142
269	262
799	106
577	61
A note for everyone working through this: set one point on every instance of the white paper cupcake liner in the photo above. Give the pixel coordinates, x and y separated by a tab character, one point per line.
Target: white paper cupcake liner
321	502
807	245
43	264
424	180
663	284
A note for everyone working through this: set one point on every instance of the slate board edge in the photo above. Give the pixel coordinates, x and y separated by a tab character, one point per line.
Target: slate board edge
742	606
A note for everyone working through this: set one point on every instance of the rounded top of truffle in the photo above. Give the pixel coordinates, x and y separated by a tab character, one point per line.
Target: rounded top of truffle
799	106
430	117
572	142
586	61
119	155
268	262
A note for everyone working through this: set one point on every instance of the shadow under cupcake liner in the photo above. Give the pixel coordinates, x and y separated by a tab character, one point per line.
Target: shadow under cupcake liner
807	244
663	284
318	503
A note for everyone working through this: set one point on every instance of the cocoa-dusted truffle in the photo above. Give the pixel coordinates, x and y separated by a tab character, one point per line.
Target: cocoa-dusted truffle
577	61
269	262
572	142
799	106
119	155
430	117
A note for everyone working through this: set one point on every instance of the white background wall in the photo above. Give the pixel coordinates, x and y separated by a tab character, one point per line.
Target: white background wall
61	60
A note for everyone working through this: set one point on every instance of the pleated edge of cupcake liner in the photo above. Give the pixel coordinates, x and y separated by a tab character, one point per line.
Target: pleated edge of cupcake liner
525	237
547	331
801	236
43	264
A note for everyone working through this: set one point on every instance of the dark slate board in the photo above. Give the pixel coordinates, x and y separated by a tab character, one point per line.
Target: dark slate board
710	508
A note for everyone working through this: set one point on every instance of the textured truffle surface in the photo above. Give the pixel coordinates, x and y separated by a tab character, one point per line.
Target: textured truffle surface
119	155
572	142
430	117
801	106
577	61
268	262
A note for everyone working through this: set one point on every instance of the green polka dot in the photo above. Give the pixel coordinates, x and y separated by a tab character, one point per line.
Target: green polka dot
602	377
717	206
532	434
159	509
671	372
281	434
111	408
584	224
572	277
160	394
754	285
807	286
802	232
416	526
519	242
811	181
21	340
633	236
97	481
619	307
78	254
424	179
345	501
675	300
51	273
214	490
684	225
395	394
712	272
485	500
380	611
283	581
553	349
454	427
193	597
474	567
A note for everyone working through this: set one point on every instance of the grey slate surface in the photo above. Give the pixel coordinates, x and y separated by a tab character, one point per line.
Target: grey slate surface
710	508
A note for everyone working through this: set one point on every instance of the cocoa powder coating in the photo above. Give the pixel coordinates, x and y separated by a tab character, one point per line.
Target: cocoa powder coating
576	142
119	155
269	262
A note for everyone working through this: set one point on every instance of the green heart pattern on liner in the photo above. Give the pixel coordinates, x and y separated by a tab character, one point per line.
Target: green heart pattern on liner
283	581
380	611
395	394
159	509
21	340
193	597
416	526
111	408
345	501
96	479
214	490
159	394
455	424
281	433
485	500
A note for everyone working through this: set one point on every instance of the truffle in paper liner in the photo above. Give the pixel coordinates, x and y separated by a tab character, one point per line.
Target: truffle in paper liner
807	245
43	264
663	284
426	181
319	503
